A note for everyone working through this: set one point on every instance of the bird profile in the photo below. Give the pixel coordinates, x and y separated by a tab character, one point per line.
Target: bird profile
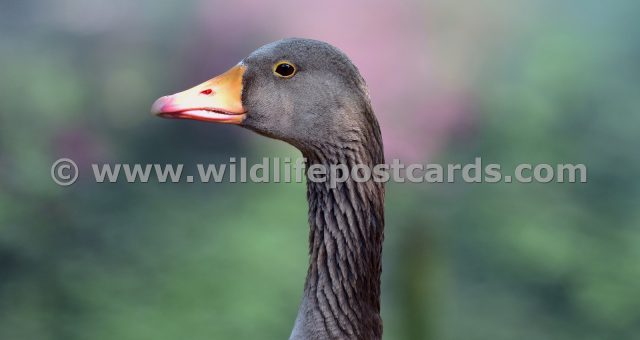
310	95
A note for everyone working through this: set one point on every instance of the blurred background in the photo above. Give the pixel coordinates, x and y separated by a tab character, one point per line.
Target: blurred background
509	81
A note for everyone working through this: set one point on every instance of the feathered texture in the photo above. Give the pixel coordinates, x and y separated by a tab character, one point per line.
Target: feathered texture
342	290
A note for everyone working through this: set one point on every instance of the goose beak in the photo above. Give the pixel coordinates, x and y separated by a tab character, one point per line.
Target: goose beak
216	100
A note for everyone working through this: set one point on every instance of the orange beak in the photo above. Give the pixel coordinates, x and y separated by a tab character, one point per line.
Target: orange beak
216	100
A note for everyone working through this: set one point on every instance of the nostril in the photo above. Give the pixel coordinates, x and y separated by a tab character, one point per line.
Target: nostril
206	92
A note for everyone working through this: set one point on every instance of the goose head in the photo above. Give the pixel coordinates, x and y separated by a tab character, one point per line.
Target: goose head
301	91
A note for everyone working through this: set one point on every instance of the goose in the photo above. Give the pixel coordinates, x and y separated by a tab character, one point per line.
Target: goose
310	95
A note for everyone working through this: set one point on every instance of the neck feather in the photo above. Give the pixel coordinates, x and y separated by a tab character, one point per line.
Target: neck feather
342	290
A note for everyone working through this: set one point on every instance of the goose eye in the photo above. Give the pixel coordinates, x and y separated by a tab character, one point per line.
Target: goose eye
284	69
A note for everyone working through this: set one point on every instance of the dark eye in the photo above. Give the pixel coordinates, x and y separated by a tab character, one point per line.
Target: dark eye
284	69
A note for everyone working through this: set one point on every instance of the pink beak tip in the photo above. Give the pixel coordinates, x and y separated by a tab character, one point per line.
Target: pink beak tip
159	106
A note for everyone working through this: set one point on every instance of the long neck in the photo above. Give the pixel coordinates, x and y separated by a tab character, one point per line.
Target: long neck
342	291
